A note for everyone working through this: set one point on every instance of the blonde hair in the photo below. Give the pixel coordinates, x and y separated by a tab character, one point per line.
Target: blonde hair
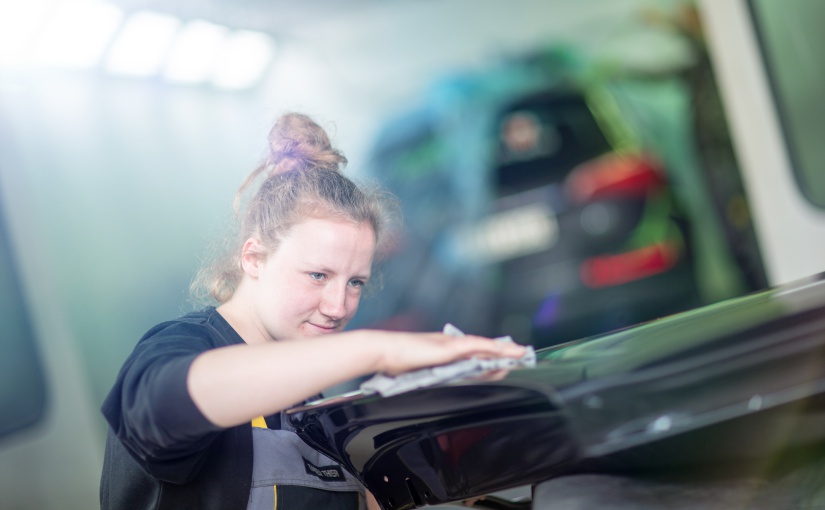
302	179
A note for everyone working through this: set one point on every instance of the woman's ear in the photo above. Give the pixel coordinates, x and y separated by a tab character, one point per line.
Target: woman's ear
252	255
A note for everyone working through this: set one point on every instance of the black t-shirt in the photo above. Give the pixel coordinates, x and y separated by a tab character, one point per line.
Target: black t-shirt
161	452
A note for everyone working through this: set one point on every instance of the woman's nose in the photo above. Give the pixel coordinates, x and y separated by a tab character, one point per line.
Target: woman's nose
334	302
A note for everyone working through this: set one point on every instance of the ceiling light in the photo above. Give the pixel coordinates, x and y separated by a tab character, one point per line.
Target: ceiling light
142	44
194	51
242	60
77	33
19	22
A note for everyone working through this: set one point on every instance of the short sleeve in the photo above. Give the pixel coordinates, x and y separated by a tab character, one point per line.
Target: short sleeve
149	408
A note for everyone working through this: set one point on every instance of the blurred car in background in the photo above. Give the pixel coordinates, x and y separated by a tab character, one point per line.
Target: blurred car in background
527	214
613	246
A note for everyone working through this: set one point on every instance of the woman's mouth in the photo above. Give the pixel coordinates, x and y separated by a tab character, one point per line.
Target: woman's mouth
325	328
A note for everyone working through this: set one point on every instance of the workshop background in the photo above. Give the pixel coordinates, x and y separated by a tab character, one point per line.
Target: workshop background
565	167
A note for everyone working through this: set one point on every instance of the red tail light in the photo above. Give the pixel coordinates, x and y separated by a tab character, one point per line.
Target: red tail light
615	175
609	270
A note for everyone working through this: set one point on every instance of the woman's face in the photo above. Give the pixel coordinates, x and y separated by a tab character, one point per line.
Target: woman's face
312	283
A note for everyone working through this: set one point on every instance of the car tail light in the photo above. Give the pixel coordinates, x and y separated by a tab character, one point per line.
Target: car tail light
609	270
615	175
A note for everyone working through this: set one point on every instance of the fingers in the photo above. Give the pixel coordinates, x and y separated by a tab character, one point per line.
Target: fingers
496	349
409	351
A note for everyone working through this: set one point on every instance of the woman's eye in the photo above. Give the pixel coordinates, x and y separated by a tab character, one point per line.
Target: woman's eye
357	283
317	276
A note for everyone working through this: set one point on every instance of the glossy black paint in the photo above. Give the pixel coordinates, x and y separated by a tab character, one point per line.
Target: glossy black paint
730	382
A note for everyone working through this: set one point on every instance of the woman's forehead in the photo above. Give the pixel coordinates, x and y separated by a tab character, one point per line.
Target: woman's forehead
331	242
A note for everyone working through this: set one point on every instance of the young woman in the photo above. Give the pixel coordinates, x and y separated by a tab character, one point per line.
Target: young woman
194	413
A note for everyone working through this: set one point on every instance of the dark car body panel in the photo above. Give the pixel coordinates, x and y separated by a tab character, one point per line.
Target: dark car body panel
729	382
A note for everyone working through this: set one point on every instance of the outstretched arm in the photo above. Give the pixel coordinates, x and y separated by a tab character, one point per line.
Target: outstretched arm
234	384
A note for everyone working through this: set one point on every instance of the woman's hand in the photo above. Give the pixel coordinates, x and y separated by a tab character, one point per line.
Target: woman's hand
402	352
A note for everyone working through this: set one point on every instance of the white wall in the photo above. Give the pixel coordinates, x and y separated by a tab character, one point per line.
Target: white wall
791	230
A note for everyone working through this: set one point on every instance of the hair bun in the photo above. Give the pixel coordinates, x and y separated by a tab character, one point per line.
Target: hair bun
296	142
